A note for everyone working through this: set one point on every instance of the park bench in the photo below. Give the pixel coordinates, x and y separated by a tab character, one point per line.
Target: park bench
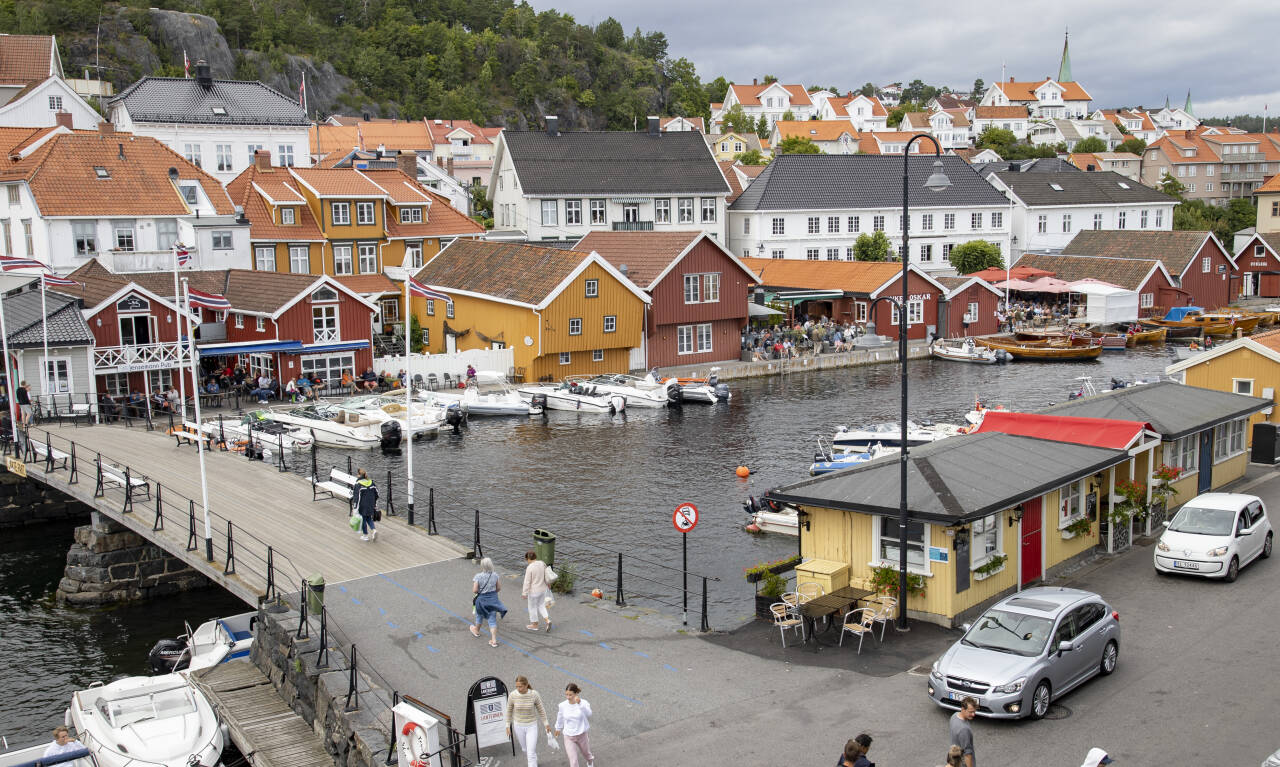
339	485
117	476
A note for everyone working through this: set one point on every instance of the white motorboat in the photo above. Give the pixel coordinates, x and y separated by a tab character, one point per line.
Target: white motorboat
330	430
707	391
268	432
572	396
426	417
217	641
825	463
490	395
771	517
147	721
968	351
33	756
890	435
639	392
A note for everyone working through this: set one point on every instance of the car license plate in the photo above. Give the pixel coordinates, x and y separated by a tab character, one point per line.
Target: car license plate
958	695
1186	565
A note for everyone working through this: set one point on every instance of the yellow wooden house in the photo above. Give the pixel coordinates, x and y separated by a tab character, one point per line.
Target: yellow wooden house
1249	365
348	223
561	312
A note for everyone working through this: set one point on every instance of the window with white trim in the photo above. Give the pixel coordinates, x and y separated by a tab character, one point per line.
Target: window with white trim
833	224
598	215
368	252
971	312
414	251
285	153
123	235
1120	220
389	309
1066	222
947	247
975	221
704	337
662	210
550	212
597	355
223	154
222	241
192	153
117	384
448	310
1242	386
564	358
779	226
708	210
997	219
57	376
610	323
328	367
1206	264
591	288
711	288
889	540
1147	300
915	312
1159	217
340	213
264	258
239	320
814	224
1070	503
364	213
684	339
411	215
1042	223
746	226
684	210
778	254
431	307
852	224
299	259
55	103
984	540
833	254
324	324
860	311
261	324
926	251
926	222
1228	439
575	326
573	212
1142	219
1183	453
692	288
85	234
342	259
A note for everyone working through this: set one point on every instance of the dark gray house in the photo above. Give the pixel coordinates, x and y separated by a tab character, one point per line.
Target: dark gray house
70	361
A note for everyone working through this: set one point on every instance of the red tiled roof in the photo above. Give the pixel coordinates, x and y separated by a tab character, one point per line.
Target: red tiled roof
25	58
504	270
61	174
1270	339
262	222
735	188
1026	91
999	113
1127	273
815	130
399	187
338	182
440	130
645	254
328	139
368	284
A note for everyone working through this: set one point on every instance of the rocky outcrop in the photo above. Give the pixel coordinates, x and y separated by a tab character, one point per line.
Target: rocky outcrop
27	502
327	91
108	563
198	35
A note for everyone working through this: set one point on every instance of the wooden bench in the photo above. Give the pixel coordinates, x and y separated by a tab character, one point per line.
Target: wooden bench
52	458
339	485
189	434
116	476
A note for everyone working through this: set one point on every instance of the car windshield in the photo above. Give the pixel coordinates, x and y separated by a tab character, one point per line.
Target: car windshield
1192	519
1016	633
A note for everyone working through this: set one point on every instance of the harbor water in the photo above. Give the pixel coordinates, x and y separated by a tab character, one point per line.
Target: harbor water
602	484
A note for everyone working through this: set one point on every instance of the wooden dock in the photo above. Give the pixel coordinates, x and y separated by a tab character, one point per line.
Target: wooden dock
266	509
266	731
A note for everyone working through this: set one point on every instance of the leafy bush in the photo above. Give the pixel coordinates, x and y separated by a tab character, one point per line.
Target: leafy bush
568	576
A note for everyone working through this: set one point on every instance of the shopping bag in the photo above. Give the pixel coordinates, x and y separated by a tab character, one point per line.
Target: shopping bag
355	522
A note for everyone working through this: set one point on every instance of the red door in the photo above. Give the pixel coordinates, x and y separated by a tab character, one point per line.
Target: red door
1031	522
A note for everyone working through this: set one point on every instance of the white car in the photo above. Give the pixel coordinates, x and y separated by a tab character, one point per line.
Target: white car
1214	535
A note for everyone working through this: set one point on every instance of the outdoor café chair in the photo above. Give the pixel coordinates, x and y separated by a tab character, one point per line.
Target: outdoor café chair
888	609
860	621
785	618
809	590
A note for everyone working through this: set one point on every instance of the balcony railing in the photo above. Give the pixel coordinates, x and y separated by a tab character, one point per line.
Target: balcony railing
132	359
633	226
124	261
1243	175
327	335
1244	157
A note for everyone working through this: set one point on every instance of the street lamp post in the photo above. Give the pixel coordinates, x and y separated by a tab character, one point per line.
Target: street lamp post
936	182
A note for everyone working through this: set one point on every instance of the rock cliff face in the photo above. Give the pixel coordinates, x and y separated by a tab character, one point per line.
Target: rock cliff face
327	91
198	35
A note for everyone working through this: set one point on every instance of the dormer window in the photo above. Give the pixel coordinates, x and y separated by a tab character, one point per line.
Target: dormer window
189	194
101	172
411	215
220	111
288	216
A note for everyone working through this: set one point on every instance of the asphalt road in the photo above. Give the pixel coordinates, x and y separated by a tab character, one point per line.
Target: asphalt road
1195	683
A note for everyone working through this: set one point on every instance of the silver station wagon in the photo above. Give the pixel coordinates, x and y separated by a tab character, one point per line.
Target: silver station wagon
1028	650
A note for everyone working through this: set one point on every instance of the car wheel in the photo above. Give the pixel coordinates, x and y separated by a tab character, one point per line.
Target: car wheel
1110	654
1266	547
1040	700
1233	570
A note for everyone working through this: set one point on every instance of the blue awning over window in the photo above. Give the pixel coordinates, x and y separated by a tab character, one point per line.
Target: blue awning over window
339	347
259	347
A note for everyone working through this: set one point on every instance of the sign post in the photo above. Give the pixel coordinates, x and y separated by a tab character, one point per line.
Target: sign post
486	714
685	518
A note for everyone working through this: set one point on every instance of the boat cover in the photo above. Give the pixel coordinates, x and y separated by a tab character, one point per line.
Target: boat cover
1177	313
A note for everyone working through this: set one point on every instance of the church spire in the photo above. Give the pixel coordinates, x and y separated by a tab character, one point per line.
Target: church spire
1187	108
1064	69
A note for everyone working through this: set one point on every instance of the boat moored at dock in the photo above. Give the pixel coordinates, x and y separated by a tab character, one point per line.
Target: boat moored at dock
147	720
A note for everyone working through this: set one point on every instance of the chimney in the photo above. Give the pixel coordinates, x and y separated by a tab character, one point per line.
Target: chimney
364	116
1013	167
448	168
1010	78
63	119
106	128
755	81
204	77
407	162
262	159
655	126
553	125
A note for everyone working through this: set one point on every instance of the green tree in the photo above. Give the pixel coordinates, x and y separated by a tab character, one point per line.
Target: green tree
1172	187
896	113
609	33
976	255
750	157
769	79
788	115
736	120
979	88
1133	145
762	128
481	206
872	247
1090	144
867	90
918	92
996	138
1240	213
796	145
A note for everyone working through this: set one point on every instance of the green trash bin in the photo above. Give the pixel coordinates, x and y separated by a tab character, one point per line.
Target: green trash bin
315	594
544	545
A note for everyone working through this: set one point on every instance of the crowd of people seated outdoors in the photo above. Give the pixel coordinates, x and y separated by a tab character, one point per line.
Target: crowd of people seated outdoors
1027	314
806	335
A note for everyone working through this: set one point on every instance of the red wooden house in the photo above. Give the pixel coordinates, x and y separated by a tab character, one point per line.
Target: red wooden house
1259	263
1196	261
968	307
1148	277
699	293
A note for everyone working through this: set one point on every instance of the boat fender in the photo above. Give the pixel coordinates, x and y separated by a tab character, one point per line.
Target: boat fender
753	528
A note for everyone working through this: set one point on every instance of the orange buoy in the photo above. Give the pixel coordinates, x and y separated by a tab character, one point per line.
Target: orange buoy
742	471
597	593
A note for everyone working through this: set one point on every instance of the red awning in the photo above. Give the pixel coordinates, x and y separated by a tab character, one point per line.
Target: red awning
1098	432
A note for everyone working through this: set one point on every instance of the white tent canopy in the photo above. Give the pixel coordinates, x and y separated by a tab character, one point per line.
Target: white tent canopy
1107	304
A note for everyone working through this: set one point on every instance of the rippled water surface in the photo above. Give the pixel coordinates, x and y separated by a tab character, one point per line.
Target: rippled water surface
602	484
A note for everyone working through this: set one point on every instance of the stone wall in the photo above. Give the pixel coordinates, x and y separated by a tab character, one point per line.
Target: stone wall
356	738
24	501
108	564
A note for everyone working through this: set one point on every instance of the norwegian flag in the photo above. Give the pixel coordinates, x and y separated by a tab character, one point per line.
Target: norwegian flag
208	300
184	255
11	263
54	281
418	289
186	64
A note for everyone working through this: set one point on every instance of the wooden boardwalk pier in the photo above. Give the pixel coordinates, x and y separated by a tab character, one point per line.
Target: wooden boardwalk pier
267	532
262	726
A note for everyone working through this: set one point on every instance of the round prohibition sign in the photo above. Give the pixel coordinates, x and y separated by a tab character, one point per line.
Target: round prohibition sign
685	517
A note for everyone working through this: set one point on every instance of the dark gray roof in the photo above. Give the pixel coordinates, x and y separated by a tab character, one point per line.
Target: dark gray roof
831	181
1174	410
1097	188
614	163
22	318
955	480
184	100
1033	165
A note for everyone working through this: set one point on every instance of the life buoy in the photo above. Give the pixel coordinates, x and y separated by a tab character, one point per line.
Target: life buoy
408	728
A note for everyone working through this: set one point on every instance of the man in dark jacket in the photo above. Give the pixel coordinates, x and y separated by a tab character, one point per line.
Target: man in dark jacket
366	505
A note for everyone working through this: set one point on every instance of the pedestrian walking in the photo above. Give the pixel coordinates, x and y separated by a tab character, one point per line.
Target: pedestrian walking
524	711
24	403
962	732
536	590
573	718
366	506
855	752
487	606
955	757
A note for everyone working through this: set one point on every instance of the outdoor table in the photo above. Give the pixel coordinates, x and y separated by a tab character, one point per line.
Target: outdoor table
211	399
837	602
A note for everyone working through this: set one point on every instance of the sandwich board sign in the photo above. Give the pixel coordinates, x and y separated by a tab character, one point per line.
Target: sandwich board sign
486	714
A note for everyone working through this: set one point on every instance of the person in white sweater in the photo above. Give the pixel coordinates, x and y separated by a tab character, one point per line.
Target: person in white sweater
573	719
536	589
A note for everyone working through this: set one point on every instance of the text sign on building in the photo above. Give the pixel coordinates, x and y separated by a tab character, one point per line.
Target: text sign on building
133	304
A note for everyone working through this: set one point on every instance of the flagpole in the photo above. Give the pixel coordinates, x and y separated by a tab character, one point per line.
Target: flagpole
204	484
8	375
44	324
408	392
177	296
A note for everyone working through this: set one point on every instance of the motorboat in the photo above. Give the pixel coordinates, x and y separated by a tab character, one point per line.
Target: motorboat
491	395
771	517
570	395
149	721
327	429
33	756
639	392
426	418
968	351
707	391
825	463
268	432
217	641
889	435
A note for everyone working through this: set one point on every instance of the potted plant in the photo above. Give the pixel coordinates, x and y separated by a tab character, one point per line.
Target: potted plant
778	566
1134	505
768	592
884	580
1081	526
1162	490
990	567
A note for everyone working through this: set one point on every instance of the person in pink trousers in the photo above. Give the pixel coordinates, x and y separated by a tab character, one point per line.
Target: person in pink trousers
573	719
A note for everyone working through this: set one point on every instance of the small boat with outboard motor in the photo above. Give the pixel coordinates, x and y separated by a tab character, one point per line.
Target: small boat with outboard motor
217	641
706	391
269	433
148	721
638	392
489	395
574	396
827	461
967	351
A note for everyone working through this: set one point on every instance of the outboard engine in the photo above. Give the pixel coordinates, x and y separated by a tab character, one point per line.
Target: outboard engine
675	394
454	418
391	436
539	400
722	391
713	380
168	655
1117	383
617	403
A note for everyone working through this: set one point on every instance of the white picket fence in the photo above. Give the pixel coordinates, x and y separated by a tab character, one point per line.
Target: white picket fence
500	360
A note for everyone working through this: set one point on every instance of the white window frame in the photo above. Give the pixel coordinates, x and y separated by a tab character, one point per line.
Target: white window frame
971	312
1066	222
411	215
991	528
597	355
223	155
565	358
367	257
573	212
285	154
366	214
239	321
705	340
853	224
346	265
662	210
1206	264
260	324
414	252
123	234
222	240
264	258
1071	503
326	323
610	323
57	376
1042	224
300	256
1183	454
879	541
575	326
550	212
779	225
693	288
340	213
926	222
948	221
711	288
1246	389
684	339
708	210
591	288
1228	440
684	210
975	221
599	214
815	224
